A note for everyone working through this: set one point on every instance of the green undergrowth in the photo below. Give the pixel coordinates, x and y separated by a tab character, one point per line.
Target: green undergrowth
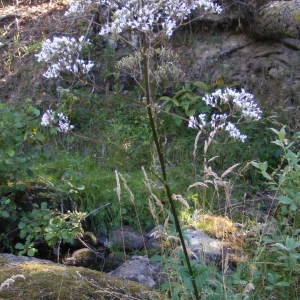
97	170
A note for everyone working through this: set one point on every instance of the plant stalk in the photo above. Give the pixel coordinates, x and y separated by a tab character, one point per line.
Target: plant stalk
163	165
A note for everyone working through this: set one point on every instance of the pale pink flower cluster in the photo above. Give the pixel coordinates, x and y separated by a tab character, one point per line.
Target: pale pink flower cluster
58	120
240	102
153	15
62	54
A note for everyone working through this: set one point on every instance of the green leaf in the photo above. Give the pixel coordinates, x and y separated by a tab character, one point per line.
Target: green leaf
181	93
282	284
31	251
178	122
65	235
19	246
165	98
285	200
11	153
34	111
201	85
44	205
21	225
291	243
4	214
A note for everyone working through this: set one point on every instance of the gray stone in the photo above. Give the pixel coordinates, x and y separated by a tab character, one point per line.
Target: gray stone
139	269
203	246
14	260
126	237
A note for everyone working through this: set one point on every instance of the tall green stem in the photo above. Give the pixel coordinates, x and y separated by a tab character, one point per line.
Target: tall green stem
163	165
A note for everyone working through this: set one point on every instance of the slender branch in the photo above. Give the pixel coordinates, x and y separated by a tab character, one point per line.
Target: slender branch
97	209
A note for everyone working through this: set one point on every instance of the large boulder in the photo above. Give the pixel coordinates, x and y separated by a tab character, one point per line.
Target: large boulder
30	278
278	19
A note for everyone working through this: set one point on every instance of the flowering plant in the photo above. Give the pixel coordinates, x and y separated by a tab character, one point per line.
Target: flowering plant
152	16
78	8
62	54
233	102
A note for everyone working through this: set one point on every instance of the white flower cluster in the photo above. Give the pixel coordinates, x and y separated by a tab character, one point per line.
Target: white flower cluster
237	101
52	119
241	101
79	7
151	15
62	54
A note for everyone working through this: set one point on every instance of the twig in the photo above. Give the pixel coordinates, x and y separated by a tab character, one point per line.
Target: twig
97	209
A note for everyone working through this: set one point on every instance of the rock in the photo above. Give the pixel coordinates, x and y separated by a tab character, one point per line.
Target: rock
226	254
14	260
29	278
126	237
278	19
203	246
140	269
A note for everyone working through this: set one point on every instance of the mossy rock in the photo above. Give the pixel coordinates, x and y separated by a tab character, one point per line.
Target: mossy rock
38	279
278	19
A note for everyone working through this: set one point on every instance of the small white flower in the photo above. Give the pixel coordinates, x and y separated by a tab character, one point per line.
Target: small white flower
47	118
58	120
234	132
192	122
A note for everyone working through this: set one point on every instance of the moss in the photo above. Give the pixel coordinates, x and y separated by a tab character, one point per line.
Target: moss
296	17
216	226
50	281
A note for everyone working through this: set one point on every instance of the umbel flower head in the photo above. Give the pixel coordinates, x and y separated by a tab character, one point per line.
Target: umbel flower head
62	54
239	103
57	120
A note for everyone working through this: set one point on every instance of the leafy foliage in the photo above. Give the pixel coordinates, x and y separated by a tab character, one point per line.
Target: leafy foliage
45	224
277	266
18	130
